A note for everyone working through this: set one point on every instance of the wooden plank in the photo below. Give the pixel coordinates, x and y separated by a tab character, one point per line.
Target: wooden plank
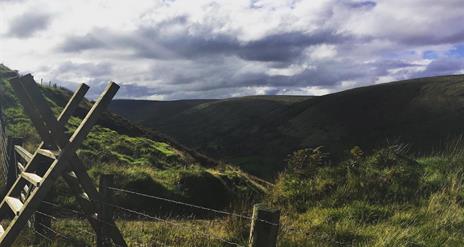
1	230
47	153
88	121
92	116
25	155
73	104
29	110
15	204
21	167
37	195
32	90
32	178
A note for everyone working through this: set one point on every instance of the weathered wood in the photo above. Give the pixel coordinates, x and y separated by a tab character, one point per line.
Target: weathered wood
32	178
30	111
53	131
15	204
23	153
106	211
12	172
84	180
264	227
73	104
91	117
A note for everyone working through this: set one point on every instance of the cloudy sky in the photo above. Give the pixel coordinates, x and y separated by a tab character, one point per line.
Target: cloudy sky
178	49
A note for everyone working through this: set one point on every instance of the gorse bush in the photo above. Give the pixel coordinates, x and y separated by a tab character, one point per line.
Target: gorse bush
383	176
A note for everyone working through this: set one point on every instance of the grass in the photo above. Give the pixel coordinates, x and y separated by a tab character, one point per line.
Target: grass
257	133
172	232
432	216
385	197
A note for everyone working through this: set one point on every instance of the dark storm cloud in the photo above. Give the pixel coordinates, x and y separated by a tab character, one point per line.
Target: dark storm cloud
126	90
81	43
362	4
87	69
196	41
352	42
443	66
29	23
284	46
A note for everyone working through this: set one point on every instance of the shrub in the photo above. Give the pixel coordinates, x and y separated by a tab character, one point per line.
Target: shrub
384	176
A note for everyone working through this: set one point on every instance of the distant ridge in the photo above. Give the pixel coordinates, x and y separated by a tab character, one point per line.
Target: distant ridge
258	133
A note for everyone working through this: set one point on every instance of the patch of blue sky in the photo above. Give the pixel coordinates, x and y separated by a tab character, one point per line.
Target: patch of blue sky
430	55
457	51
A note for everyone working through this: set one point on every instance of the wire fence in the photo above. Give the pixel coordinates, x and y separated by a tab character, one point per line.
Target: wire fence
169	222
4	159
4	156
191	205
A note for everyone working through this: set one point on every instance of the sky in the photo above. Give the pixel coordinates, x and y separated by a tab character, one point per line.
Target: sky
184	49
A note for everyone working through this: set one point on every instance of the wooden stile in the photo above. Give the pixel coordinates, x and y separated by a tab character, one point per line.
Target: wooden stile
55	157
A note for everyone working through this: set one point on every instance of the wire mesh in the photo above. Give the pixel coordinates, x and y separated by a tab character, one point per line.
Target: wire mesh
4	157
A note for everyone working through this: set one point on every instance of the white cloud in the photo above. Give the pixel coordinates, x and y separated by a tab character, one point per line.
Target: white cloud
206	48
323	51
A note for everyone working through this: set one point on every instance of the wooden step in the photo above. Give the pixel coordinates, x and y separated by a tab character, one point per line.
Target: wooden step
71	175
47	153
15	204
21	167
23	153
32	178
1	230
23	197
85	196
26	188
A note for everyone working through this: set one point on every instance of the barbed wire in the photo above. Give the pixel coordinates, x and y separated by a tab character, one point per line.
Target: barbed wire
191	205
42	236
172	223
46	215
55	232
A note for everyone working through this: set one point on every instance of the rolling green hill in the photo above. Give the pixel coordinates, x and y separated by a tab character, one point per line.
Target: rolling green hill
141	159
259	132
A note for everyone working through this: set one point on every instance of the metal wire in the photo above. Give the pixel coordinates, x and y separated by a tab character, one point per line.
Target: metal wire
191	205
46	215
42	236
4	155
171	223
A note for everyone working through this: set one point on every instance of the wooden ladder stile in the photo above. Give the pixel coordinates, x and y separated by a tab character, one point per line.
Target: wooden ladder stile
57	152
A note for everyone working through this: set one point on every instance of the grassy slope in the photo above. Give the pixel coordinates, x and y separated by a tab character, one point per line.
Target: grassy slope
219	127
258	134
142	160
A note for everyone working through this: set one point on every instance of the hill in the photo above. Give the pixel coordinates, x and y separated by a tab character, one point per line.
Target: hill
258	133
141	159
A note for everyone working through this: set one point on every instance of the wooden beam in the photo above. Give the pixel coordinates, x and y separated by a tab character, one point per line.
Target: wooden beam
73	103
83	178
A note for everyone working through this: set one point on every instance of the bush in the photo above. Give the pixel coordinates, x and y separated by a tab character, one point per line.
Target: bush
384	176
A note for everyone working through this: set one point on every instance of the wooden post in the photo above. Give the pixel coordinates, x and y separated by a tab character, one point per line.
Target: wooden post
43	223
264	226
106	211
11	172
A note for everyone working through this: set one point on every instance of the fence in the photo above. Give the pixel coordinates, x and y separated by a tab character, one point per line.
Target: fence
3	151
264	223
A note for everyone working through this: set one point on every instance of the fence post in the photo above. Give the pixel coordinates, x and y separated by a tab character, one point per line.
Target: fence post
264	226
106	212
12	172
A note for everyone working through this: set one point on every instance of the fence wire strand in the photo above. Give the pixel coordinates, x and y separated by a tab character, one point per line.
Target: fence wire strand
171	223
4	156
191	205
